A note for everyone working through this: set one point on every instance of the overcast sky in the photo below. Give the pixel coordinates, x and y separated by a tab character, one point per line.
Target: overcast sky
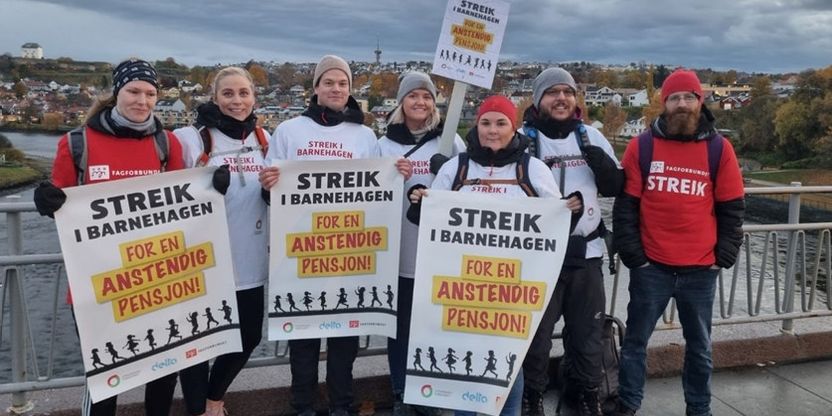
746	35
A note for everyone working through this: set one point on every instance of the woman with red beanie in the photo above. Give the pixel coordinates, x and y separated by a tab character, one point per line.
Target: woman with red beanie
494	150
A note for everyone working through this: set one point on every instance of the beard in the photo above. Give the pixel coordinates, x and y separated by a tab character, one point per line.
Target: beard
682	122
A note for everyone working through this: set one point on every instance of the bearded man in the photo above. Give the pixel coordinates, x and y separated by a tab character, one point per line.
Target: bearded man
677	223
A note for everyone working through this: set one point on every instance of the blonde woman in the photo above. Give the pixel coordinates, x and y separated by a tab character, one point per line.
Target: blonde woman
227	135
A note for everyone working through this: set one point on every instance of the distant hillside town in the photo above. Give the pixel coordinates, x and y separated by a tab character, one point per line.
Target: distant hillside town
55	93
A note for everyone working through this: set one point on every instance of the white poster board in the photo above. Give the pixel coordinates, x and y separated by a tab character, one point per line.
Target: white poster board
470	41
486	268
334	257
149	268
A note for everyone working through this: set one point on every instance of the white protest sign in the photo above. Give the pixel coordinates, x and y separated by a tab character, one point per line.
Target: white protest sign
334	258
150	273
486	267
470	41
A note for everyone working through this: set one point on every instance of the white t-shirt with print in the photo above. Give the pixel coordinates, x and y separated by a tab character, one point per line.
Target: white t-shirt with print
420	160
246	212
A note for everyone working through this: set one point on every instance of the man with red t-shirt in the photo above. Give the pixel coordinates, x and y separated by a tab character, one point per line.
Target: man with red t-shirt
676	224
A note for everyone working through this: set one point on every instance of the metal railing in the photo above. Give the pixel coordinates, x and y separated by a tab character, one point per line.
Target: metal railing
756	275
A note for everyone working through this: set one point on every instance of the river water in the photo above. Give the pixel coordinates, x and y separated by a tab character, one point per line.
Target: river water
39	237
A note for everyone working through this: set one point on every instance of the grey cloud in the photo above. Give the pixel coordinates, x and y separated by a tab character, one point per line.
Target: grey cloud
751	35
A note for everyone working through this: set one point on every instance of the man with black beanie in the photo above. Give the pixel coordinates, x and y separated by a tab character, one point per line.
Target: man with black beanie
584	165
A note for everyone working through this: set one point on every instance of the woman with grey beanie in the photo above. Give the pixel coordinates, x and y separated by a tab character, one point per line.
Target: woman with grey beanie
413	131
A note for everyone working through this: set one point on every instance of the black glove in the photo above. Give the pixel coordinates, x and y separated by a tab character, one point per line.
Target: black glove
221	179
414	211
608	177
48	199
436	162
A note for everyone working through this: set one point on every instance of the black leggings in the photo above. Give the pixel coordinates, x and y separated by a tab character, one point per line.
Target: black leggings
197	384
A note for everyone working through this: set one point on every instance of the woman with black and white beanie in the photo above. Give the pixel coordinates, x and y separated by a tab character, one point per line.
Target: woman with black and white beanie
413	129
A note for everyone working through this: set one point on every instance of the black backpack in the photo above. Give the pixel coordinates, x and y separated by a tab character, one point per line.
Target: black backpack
612	336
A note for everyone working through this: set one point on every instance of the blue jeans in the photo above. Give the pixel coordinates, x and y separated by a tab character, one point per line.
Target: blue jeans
514	401
651	288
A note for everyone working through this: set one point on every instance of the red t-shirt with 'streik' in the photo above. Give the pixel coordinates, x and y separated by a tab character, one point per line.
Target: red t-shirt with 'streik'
677	221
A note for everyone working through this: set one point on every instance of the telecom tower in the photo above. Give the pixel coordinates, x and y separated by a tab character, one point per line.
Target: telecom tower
378	53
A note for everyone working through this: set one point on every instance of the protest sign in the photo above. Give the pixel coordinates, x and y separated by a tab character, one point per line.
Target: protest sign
486	267
145	256
470	40
334	258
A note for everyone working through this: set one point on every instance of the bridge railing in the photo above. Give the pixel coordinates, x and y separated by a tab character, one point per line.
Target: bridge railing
771	287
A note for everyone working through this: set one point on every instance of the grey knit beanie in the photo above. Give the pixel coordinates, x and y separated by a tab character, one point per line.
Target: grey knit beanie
331	62
412	81
549	78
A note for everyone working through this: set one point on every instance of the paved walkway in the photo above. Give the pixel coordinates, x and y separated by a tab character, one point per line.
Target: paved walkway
794	390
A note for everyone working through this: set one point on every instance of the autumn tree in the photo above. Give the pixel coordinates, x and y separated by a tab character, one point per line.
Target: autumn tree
259	75
52	121
521	108
614	119
20	89
654	110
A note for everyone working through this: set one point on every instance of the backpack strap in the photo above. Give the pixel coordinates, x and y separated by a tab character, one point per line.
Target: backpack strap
522	174
531	132
645	154
162	143
581	136
77	142
262	140
715	146
207	146
461	172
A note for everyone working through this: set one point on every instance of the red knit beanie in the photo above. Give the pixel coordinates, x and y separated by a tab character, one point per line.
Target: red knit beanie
681	80
499	104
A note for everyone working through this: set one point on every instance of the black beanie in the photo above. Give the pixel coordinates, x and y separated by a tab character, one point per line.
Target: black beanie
133	70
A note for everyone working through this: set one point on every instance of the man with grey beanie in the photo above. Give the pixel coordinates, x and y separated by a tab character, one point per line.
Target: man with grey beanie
584	165
331	128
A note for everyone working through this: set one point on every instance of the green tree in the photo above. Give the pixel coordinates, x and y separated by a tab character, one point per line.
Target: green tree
796	129
760	87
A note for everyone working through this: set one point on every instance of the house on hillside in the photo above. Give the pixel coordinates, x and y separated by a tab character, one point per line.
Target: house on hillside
174	113
638	99
31	50
170	105
599	96
634	127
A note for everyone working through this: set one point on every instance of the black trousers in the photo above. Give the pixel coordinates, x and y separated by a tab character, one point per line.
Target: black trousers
304	355
198	384
579	297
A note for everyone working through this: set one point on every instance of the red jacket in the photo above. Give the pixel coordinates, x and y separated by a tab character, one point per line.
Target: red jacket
113	158
677	215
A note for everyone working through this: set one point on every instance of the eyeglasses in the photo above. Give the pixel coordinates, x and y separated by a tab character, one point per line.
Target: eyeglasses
567	92
688	98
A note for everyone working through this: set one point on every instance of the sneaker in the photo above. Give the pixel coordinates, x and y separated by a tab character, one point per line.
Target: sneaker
427	411
623	410
532	403
215	408
588	403
307	412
